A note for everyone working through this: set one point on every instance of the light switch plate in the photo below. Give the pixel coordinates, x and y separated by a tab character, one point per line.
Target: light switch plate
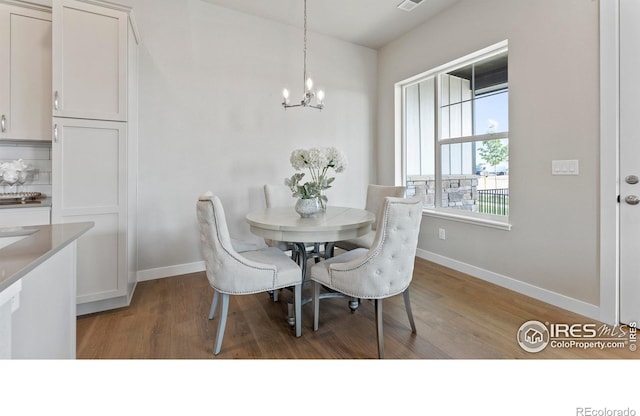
565	167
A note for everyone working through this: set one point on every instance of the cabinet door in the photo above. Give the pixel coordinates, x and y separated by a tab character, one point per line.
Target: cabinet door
25	73
89	61
89	161
17	217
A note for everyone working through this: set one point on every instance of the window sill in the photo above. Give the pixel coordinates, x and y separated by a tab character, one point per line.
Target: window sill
468	219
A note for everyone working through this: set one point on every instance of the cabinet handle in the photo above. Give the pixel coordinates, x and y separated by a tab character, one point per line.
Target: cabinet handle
3	124
55	133
55	100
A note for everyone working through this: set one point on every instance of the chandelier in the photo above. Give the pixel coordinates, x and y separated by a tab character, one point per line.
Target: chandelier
309	92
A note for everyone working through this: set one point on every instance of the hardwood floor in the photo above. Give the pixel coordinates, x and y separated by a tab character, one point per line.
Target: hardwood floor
456	316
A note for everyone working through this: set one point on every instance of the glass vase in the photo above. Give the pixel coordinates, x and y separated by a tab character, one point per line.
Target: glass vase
308	208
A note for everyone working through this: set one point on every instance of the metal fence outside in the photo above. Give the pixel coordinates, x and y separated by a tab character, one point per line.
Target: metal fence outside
493	201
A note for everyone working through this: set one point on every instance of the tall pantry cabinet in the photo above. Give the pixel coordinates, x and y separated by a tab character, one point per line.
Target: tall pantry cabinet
94	149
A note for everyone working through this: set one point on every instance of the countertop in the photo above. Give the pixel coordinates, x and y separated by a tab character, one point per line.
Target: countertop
40	243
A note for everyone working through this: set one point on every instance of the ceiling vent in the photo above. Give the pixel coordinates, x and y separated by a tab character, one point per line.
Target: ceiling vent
408	5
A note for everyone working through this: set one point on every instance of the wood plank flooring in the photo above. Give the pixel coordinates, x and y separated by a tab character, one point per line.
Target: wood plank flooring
456	316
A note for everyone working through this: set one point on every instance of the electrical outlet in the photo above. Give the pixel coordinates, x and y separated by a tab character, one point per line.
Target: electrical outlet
441	234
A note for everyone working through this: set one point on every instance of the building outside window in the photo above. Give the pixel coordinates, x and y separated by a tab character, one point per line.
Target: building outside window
455	135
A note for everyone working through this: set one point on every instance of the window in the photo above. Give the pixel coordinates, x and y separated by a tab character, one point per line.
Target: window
455	136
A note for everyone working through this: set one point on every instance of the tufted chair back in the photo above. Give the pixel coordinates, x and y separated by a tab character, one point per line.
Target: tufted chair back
386	269
228	271
375	196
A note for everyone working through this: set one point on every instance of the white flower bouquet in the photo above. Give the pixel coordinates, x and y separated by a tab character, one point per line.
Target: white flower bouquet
318	161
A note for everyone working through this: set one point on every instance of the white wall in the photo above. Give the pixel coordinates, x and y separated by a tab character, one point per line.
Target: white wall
552	250
210	118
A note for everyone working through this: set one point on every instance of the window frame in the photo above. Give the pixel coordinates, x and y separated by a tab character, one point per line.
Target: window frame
489	220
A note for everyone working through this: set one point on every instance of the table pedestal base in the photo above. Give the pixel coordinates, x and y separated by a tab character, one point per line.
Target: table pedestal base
353	304
302	257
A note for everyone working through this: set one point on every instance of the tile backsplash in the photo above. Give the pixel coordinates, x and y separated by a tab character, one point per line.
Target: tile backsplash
36	156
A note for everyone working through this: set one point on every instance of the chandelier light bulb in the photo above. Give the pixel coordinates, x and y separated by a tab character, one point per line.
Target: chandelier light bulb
285	95
320	96
309	84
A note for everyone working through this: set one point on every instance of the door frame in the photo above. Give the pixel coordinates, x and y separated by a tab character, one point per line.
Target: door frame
609	161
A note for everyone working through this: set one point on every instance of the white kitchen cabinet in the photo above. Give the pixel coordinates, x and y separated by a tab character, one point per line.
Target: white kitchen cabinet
94	149
25	72
89	60
44	324
89	161
38	291
16	217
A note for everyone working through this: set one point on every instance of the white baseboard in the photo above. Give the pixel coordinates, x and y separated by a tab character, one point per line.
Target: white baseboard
544	295
161	272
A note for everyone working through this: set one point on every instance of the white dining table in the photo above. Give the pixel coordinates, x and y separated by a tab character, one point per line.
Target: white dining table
335	224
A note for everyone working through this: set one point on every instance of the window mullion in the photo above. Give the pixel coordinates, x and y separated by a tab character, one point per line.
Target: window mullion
436	143
473	99
420	127
480	137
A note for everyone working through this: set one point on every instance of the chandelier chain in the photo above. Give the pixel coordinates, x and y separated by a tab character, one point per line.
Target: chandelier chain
304	72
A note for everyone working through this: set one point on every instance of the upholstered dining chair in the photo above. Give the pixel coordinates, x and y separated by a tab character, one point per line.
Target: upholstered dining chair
384	270
278	196
375	196
232	273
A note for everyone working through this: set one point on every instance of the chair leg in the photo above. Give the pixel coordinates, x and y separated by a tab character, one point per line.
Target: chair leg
214	304
407	305
224	308
378	308
297	300
316	304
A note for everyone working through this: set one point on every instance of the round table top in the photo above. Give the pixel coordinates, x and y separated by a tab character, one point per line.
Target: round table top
284	224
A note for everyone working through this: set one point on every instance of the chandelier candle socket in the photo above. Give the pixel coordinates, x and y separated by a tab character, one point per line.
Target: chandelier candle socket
309	92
